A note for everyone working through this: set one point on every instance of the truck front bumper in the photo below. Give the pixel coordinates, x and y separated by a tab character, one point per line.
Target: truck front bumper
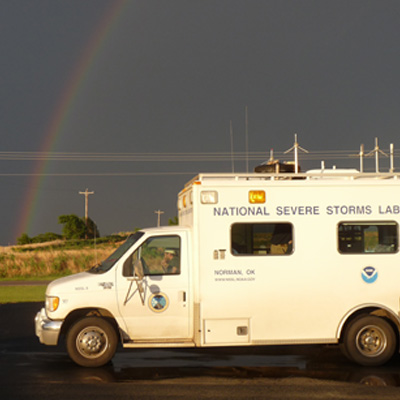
46	330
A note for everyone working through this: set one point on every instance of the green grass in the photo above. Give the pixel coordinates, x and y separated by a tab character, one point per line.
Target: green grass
21	294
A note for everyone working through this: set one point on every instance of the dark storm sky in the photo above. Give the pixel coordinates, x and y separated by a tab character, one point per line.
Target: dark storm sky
168	78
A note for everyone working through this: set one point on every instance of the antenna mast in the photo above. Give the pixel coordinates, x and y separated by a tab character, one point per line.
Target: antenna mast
231	133
362	158
391	157
376	151
271	156
295	148
247	139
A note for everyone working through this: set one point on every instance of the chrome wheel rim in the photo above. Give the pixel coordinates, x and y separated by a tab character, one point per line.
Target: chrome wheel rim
92	342
371	341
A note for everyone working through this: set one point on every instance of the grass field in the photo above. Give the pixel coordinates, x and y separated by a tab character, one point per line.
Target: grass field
45	262
21	294
58	259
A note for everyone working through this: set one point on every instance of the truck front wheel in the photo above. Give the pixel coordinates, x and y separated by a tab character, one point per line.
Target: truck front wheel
91	342
370	341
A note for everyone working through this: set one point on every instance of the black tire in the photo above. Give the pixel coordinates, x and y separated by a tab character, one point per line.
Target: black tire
91	342
370	341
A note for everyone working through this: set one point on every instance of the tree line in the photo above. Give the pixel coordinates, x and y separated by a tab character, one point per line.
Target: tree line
74	227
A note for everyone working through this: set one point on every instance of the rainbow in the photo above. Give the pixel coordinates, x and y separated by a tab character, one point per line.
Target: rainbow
63	110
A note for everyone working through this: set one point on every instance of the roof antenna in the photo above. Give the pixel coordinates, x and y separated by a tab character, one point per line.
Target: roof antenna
376	151
362	154
272	161
247	139
271	156
391	157
232	161
296	148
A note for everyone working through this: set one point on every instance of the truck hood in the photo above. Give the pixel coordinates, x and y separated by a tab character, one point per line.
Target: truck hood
80	281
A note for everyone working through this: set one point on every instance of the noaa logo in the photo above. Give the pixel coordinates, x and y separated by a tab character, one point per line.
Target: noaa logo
369	274
158	302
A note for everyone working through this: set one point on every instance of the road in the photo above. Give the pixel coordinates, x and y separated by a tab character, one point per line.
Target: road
29	370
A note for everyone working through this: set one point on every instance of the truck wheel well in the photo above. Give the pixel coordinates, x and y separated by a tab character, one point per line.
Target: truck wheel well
379	312
88	312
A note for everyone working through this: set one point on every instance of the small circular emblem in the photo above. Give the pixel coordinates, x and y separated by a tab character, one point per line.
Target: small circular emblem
369	274
158	302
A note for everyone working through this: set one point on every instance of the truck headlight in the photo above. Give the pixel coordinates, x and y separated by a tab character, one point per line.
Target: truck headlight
52	303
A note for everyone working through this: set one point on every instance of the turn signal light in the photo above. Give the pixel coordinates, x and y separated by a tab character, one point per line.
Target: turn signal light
52	303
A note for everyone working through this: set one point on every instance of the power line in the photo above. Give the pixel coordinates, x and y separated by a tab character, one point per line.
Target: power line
168	157
128	157
186	156
173	157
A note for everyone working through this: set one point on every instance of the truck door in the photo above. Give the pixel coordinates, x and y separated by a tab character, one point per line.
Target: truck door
152	290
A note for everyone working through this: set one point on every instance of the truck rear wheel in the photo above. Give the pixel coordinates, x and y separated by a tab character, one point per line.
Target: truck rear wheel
370	341
91	342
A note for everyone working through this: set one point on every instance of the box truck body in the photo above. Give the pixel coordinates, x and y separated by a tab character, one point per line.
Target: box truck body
257	259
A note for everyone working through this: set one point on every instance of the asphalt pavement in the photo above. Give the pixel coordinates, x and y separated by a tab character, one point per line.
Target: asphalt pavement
29	370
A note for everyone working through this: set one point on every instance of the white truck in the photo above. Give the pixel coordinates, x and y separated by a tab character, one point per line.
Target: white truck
258	259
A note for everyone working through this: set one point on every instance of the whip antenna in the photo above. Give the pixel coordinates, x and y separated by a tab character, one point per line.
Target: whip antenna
232	160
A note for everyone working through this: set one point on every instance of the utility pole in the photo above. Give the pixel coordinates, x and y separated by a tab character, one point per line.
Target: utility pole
159	212
87	194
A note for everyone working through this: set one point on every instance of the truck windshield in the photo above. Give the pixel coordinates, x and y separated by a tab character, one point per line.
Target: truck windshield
109	262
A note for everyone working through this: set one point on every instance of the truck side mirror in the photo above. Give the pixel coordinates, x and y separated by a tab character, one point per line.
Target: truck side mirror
127	269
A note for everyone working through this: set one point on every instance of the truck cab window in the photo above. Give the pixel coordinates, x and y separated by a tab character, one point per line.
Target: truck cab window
262	239
367	237
159	255
109	262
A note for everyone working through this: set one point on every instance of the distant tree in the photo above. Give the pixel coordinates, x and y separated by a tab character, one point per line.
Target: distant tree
74	227
173	221
24	239
46	237
92	231
41	238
